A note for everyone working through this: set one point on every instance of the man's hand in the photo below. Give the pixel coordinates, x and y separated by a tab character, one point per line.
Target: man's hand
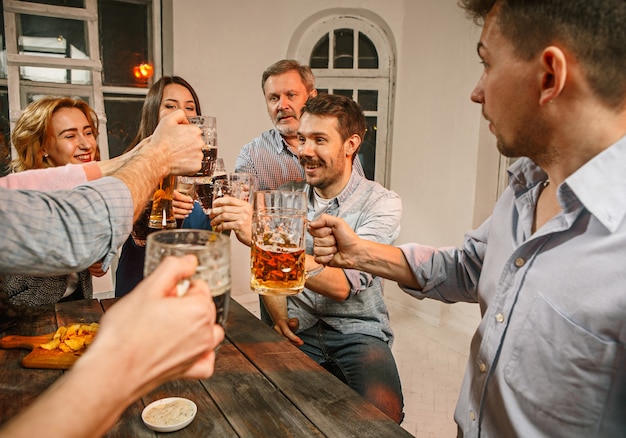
335	243
287	328
181	143
172	337
277	308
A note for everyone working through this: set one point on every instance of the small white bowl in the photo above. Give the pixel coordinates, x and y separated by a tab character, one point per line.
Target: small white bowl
169	414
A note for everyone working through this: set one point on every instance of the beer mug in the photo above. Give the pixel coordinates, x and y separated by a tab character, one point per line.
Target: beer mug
208	125
238	185
277	256
213	253
162	212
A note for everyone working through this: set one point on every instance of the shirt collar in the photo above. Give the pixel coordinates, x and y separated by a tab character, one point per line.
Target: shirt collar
279	144
599	185
353	183
524	174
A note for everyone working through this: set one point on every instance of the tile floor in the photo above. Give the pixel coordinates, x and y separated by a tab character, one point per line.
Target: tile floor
431	347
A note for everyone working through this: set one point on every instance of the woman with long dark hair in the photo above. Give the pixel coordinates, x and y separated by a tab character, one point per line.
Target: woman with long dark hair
167	94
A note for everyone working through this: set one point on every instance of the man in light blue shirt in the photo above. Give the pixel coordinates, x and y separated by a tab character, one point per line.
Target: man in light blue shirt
340	320
547	268
273	156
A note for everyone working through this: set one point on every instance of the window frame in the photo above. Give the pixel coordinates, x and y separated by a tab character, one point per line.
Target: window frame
381	79
96	91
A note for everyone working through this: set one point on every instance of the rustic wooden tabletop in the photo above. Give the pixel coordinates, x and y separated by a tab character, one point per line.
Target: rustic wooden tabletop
262	386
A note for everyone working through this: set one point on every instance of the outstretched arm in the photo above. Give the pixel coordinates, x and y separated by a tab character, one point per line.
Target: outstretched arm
336	244
132	354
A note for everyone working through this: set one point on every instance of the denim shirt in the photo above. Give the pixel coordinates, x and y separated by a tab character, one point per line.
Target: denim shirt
374	213
549	357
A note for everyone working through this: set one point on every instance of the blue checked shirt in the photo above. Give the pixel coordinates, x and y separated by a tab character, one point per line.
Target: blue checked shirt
549	356
374	214
59	232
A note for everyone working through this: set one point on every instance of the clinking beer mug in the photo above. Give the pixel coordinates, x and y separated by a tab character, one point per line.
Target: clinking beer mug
208	126
162	213
278	242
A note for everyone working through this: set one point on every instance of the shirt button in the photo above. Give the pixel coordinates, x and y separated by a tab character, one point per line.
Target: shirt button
482	367
519	262
472	416
500	318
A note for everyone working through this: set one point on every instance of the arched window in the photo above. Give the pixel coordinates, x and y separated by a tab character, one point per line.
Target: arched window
351	54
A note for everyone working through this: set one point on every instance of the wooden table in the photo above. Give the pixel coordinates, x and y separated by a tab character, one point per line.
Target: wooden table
262	386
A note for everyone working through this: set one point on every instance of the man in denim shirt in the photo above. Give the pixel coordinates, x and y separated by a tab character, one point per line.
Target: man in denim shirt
272	156
341	319
547	268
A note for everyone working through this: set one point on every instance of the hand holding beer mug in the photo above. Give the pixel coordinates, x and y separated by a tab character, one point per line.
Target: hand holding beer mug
277	254
213	253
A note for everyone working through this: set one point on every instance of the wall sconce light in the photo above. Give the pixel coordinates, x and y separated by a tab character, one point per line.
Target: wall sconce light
143	71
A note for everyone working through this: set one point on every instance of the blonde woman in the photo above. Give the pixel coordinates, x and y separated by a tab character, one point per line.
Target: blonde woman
53	131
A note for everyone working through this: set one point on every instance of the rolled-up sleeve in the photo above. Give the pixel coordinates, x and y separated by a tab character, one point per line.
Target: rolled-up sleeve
52	178
448	274
58	232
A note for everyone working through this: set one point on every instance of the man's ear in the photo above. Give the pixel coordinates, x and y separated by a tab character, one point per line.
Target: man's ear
554	74
313	93
352	144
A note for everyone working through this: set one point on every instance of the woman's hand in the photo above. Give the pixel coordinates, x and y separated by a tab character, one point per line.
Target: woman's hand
183	205
96	270
229	213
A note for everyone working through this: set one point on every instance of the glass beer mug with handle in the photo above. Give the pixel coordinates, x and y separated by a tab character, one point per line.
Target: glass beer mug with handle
213	253
162	212
277	257
208	126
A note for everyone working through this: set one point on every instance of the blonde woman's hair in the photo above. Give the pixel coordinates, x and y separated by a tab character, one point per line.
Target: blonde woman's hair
34	129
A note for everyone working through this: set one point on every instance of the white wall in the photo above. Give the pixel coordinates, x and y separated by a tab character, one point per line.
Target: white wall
222	48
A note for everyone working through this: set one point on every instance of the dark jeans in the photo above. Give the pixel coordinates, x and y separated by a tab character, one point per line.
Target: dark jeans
363	362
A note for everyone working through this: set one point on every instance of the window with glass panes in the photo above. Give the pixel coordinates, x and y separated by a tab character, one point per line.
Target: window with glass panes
104	52
351	56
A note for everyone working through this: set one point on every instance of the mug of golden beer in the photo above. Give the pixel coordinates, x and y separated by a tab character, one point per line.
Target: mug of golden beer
213	253
278	241
162	213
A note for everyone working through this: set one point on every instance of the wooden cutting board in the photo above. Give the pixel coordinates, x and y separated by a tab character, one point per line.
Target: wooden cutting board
39	357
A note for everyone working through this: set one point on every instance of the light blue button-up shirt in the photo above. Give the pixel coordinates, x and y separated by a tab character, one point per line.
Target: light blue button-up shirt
54	233
549	357
374	214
